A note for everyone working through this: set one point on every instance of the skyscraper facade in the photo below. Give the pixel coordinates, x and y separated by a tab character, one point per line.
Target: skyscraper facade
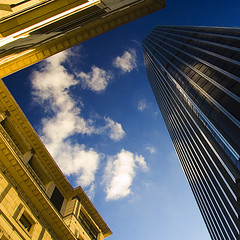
195	76
33	30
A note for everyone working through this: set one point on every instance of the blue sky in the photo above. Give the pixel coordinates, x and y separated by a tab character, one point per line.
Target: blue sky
95	102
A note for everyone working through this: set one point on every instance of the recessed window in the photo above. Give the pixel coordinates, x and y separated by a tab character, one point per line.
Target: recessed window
26	222
57	199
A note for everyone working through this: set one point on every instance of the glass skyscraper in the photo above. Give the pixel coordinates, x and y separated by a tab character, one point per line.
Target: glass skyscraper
194	73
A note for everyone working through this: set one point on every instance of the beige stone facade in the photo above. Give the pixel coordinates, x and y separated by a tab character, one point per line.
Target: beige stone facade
36	200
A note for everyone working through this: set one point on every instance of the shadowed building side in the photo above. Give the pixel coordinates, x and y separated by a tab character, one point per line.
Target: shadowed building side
194	74
33	30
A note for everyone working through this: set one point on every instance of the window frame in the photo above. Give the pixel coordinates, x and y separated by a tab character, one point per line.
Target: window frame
24	213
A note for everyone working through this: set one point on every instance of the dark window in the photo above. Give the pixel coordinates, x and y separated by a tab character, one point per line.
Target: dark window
207	86
201	81
235	88
216	93
230	105
185	69
195	77
57	199
190	73
26	223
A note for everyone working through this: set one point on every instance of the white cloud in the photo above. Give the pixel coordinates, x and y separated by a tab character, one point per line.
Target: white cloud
97	80
113	129
51	87
116	132
75	159
142	105
119	173
151	149
91	191
140	160
127	62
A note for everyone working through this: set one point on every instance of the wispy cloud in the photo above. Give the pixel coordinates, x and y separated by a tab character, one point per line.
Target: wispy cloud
116	131
119	173
142	105
91	191
127	62
151	149
97	80
112	129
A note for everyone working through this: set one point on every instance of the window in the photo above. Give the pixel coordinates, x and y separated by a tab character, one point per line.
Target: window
88	226
26	222
57	199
